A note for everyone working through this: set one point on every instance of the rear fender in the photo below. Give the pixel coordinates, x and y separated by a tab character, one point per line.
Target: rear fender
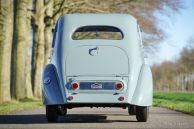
51	87
143	94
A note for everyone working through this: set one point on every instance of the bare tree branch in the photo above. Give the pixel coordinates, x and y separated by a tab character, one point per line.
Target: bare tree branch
60	8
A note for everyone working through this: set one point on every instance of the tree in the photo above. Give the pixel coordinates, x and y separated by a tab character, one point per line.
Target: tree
22	88
48	29
38	47
6	22
177	75
28	83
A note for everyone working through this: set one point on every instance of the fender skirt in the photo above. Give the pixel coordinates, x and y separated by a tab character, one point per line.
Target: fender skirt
51	87
143	94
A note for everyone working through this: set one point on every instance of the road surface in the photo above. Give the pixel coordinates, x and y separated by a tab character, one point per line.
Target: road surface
98	118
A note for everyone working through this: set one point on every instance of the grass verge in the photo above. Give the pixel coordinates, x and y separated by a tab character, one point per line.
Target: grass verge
178	101
13	106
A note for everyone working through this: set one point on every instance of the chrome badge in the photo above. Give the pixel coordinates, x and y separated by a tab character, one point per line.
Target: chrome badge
93	51
96	86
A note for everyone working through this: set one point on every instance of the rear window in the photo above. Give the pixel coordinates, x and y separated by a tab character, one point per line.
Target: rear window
98	32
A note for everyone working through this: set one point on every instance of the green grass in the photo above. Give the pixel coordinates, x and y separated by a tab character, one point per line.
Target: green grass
11	107
179	101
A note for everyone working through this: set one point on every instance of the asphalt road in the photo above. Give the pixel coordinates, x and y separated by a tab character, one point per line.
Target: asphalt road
98	118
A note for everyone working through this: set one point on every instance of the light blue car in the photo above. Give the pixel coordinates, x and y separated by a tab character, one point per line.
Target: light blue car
97	60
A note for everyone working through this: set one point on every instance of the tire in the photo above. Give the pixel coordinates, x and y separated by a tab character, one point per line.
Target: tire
61	110
131	110
51	113
142	113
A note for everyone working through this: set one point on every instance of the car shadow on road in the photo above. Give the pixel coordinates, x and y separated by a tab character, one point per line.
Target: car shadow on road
70	118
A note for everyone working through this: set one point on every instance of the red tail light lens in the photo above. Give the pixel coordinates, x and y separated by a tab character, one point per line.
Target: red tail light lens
74	86
119	86
121	98
71	98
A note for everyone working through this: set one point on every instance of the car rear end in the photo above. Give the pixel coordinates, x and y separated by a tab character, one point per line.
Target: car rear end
104	70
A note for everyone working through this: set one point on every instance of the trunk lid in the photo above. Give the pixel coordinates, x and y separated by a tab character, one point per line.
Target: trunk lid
97	61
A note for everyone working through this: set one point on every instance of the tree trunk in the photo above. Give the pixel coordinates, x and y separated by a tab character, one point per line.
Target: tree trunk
6	33
38	48
27	47
21	57
48	30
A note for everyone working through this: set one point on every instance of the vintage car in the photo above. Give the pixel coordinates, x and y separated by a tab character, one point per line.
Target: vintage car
97	60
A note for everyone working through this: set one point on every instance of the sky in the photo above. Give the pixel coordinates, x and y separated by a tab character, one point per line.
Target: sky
179	27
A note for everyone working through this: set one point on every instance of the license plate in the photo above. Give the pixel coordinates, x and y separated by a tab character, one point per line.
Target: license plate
97	86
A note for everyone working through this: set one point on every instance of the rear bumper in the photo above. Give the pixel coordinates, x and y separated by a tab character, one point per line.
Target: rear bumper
76	105
111	97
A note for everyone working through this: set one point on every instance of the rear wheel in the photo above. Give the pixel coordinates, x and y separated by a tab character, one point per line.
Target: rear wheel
142	113
51	113
62	110
131	110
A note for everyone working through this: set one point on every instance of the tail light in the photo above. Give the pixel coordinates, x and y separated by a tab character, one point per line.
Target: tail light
119	86
71	98
74	86
121	98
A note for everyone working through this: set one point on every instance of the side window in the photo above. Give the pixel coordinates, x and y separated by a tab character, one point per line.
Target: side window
54	35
